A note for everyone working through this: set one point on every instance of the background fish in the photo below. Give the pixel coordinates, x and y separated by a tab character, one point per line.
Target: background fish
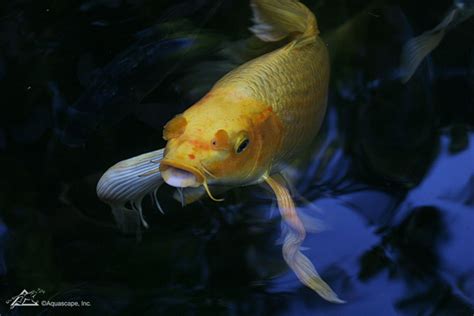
255	120
416	49
121	85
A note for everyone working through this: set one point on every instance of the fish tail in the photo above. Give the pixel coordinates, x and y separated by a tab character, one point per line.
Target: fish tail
295	235
277	19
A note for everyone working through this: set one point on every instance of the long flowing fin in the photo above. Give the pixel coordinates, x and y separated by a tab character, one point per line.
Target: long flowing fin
416	49
123	187
277	19
298	262
310	223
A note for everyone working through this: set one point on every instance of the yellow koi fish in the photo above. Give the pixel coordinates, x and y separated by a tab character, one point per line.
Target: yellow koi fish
246	129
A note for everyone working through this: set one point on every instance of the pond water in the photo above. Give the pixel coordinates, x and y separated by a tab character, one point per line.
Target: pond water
390	179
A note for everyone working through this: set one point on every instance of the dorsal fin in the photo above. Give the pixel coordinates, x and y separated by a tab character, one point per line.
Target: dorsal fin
277	19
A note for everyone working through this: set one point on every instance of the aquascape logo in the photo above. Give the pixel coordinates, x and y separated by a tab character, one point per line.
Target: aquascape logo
28	298
25	298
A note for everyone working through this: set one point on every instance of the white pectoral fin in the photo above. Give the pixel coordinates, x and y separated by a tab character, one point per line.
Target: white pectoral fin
295	235
124	185
416	49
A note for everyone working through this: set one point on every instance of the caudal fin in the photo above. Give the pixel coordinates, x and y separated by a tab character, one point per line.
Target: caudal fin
277	19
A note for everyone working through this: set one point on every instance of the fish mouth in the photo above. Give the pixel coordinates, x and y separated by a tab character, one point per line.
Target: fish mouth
180	175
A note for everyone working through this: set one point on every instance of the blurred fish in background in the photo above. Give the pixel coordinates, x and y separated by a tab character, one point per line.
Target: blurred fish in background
416	49
386	121
118	88
111	94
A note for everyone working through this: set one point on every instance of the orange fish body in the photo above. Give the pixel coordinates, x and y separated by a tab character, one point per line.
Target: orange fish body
275	103
254	121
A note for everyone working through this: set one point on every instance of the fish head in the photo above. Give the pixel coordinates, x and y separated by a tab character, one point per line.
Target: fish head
219	143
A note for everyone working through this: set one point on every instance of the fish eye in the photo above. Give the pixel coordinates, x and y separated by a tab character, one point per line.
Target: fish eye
243	145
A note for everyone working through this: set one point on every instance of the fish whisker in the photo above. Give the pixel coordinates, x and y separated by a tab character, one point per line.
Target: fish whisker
209	192
181	196
154	197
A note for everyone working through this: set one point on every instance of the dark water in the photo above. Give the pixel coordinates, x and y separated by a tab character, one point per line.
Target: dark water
85	84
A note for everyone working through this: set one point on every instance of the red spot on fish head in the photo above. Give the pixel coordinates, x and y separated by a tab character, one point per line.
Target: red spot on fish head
199	145
191	156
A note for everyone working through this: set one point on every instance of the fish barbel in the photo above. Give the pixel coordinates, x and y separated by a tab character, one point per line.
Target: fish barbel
254	121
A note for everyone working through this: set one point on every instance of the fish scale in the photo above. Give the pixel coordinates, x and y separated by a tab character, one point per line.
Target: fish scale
294	82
